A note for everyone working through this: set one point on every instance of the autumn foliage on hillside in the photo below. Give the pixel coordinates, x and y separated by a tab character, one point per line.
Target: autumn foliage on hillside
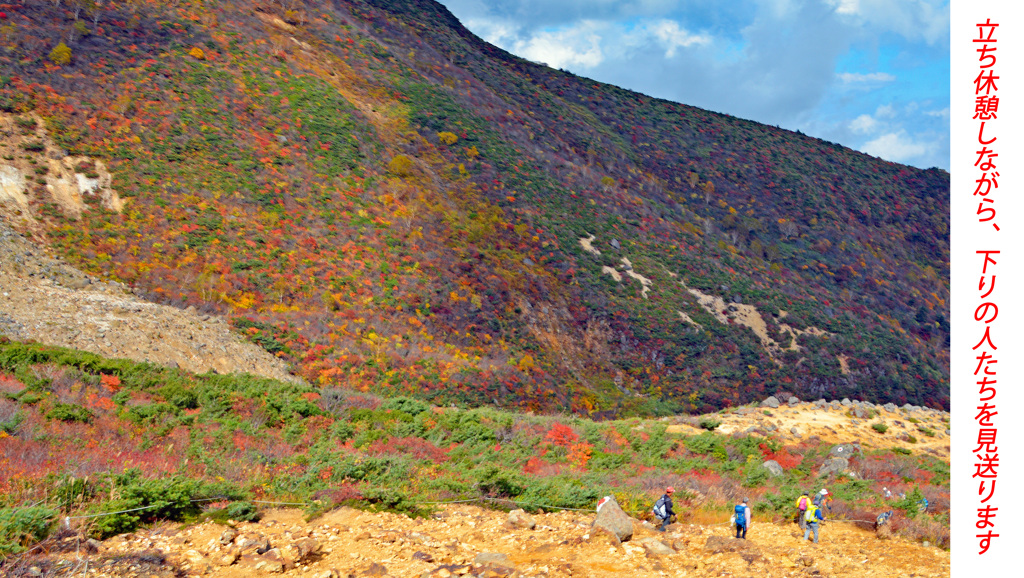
82	435
376	195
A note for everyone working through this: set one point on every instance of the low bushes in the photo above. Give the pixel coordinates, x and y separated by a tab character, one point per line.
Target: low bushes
21	527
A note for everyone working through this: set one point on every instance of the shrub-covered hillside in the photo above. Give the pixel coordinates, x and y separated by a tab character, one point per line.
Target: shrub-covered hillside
373	193
82	435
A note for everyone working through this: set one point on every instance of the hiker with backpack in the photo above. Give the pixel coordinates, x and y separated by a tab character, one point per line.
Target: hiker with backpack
822	499
663	508
813	518
801	508
741	517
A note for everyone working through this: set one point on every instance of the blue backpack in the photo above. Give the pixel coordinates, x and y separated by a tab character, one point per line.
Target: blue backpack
741	515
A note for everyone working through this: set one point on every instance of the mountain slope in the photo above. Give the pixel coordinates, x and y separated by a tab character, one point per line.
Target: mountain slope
388	202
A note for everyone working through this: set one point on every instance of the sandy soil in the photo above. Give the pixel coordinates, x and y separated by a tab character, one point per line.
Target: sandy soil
458	539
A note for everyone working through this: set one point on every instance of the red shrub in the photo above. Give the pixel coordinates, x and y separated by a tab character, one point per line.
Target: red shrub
542	468
417	448
8	384
561	435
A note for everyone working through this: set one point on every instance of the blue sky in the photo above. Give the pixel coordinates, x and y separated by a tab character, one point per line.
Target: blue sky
872	75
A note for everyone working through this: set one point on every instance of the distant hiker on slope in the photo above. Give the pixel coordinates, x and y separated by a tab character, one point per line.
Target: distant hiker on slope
663	508
813	518
801	508
742	519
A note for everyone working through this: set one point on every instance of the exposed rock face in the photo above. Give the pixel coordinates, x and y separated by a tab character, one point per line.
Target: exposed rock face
64	180
612	518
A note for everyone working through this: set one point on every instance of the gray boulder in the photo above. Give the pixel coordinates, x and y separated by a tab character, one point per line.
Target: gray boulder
655	547
846	402
834	466
772	402
520	519
773	468
793	400
842	450
611	517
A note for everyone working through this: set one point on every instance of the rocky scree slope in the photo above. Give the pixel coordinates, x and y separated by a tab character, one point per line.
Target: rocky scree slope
44	299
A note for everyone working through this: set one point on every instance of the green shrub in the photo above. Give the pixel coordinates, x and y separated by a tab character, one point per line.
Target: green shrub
242	512
707	444
880	427
926	431
70	412
178	396
496	482
709	423
10	420
26	123
163	499
405	404
561	491
779	502
756	477
20	527
910	503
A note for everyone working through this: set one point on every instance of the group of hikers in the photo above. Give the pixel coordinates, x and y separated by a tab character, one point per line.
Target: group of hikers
809	513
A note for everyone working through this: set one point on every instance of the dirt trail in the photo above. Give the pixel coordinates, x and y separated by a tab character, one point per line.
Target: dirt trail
465	540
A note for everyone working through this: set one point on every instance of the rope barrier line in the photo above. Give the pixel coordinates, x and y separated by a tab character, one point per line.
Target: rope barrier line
112	513
141	508
281	503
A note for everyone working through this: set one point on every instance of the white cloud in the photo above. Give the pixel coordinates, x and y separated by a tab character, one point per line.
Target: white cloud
577	46
944	113
494	31
672	36
913	19
845	6
871	77
863	124
885	111
897	147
